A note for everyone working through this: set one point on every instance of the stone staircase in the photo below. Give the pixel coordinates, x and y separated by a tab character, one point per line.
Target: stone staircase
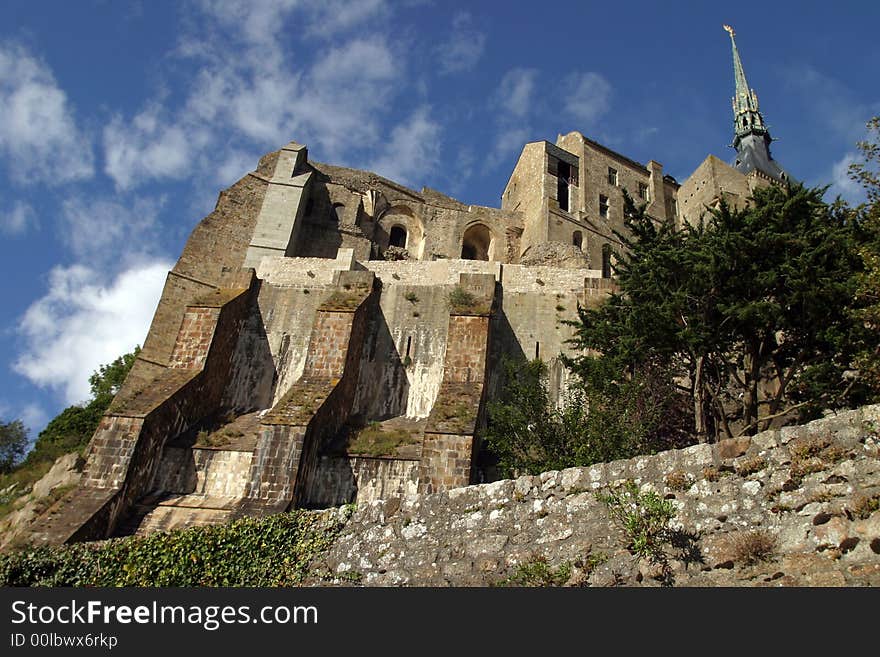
200	480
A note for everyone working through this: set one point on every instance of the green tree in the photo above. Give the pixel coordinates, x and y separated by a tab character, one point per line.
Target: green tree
72	429
596	423
523	432
13	444
867	173
108	379
749	312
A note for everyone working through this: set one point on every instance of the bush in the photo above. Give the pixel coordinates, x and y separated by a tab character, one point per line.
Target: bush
598	423
461	300
271	551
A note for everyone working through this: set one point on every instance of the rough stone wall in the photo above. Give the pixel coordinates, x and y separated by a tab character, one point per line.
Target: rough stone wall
126	449
466	349
208	472
361	479
279	221
803	487
352	208
459	411
402	361
712	181
595	161
528	192
216	246
194	337
447	462
316	406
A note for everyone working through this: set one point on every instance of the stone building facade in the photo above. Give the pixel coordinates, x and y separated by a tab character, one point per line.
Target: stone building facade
328	335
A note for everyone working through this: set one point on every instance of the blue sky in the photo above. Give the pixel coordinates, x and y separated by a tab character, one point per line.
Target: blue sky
121	121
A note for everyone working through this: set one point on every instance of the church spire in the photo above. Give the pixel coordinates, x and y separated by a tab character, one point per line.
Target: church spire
751	137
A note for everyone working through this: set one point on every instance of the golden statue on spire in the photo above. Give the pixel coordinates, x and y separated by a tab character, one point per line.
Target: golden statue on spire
729	30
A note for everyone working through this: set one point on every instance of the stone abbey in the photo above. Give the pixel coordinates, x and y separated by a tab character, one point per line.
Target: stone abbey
318	305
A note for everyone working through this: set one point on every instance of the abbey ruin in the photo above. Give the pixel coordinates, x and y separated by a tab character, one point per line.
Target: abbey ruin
317	302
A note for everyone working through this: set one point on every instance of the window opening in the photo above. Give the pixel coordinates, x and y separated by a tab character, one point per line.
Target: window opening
397	237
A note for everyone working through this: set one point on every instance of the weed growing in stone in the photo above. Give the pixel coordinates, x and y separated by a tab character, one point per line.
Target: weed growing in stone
460	299
864	505
750	465
537	571
678	480
644	518
753	547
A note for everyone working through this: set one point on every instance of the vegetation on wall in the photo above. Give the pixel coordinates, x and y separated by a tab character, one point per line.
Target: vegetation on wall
270	551
867	173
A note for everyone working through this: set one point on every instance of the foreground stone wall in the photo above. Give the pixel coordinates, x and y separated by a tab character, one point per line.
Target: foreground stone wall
806	488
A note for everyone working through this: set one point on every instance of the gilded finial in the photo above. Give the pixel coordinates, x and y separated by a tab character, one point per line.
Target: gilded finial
729	30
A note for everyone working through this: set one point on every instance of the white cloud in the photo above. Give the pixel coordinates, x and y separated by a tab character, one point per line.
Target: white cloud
82	323
100	230
256	22
150	147
507	143
328	18
465	46
38	135
842	184
260	95
361	59
35	418
829	101
515	92
412	151
589	96
236	165
18	219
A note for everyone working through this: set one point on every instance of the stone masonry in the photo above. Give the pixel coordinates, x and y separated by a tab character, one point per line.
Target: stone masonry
804	493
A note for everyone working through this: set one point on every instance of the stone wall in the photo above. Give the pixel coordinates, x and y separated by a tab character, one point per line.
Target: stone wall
316	406
203	471
712	181
528	191
125	452
361	479
806	489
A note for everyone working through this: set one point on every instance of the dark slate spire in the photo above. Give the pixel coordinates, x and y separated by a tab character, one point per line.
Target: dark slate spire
751	137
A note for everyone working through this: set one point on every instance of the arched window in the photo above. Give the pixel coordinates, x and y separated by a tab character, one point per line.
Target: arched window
338	212
397	237
577	238
475	243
